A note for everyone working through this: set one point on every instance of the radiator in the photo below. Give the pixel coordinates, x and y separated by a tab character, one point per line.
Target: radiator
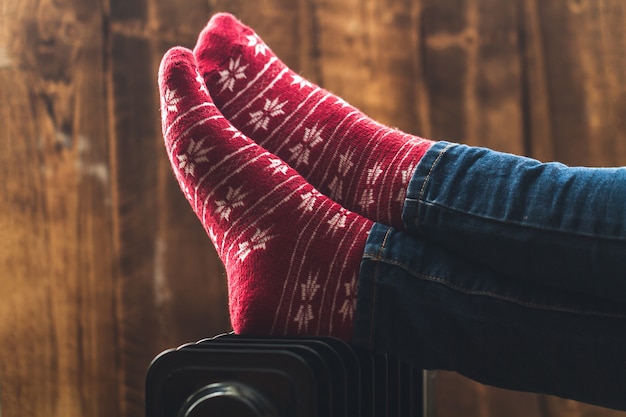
231	375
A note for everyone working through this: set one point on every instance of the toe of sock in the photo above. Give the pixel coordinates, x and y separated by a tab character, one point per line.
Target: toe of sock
181	89
223	21
176	63
216	41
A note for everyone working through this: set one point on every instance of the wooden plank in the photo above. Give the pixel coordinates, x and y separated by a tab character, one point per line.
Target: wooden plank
341	59
559	407
457	396
472	72
585	70
539	140
361	51
389	55
444	56
57	318
136	153
496	107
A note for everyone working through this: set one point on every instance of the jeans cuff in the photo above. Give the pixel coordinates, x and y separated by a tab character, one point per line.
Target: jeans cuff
419	180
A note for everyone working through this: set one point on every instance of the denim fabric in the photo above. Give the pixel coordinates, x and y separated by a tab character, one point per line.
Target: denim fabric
547	223
436	310
512	272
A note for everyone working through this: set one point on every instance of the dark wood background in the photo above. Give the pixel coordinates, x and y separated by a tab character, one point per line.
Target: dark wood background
103	264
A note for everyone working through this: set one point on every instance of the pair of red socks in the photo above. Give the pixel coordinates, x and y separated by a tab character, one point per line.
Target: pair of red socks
251	143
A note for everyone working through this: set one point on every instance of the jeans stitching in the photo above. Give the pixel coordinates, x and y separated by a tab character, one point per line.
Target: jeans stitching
430	171
497	296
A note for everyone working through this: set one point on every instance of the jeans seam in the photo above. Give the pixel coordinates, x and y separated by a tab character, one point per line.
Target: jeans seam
430	171
494	295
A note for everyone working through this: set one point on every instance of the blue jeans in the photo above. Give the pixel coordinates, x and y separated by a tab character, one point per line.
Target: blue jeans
511	272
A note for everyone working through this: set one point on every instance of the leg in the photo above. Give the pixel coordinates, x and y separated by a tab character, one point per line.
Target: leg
545	223
291	254
438	311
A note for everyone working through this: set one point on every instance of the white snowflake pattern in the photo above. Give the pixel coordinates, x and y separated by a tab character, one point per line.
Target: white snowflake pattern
336	188
373	173
261	118
257	43
368	194
407	172
367	198
299	81
349	305
200	81
338	221
304	316
233	199
309	288
345	163
256	242
169	100
194	154
302	151
305	312
278	166
234	72
406	176
308	200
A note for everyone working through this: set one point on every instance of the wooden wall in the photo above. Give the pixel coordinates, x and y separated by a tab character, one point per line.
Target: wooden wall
103	264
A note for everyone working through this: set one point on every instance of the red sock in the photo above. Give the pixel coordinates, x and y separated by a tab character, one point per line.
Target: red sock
291	255
356	161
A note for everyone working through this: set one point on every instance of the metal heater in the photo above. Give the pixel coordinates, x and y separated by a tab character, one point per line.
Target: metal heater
231	375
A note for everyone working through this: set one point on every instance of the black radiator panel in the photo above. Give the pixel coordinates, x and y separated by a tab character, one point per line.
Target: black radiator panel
241	376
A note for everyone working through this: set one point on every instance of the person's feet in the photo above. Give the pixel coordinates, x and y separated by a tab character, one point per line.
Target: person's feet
291	254
354	160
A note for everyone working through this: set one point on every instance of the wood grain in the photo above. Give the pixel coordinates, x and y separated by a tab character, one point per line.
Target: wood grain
57	315
102	262
584	63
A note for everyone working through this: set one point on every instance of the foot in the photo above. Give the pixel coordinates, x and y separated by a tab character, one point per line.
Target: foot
354	160
291	254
